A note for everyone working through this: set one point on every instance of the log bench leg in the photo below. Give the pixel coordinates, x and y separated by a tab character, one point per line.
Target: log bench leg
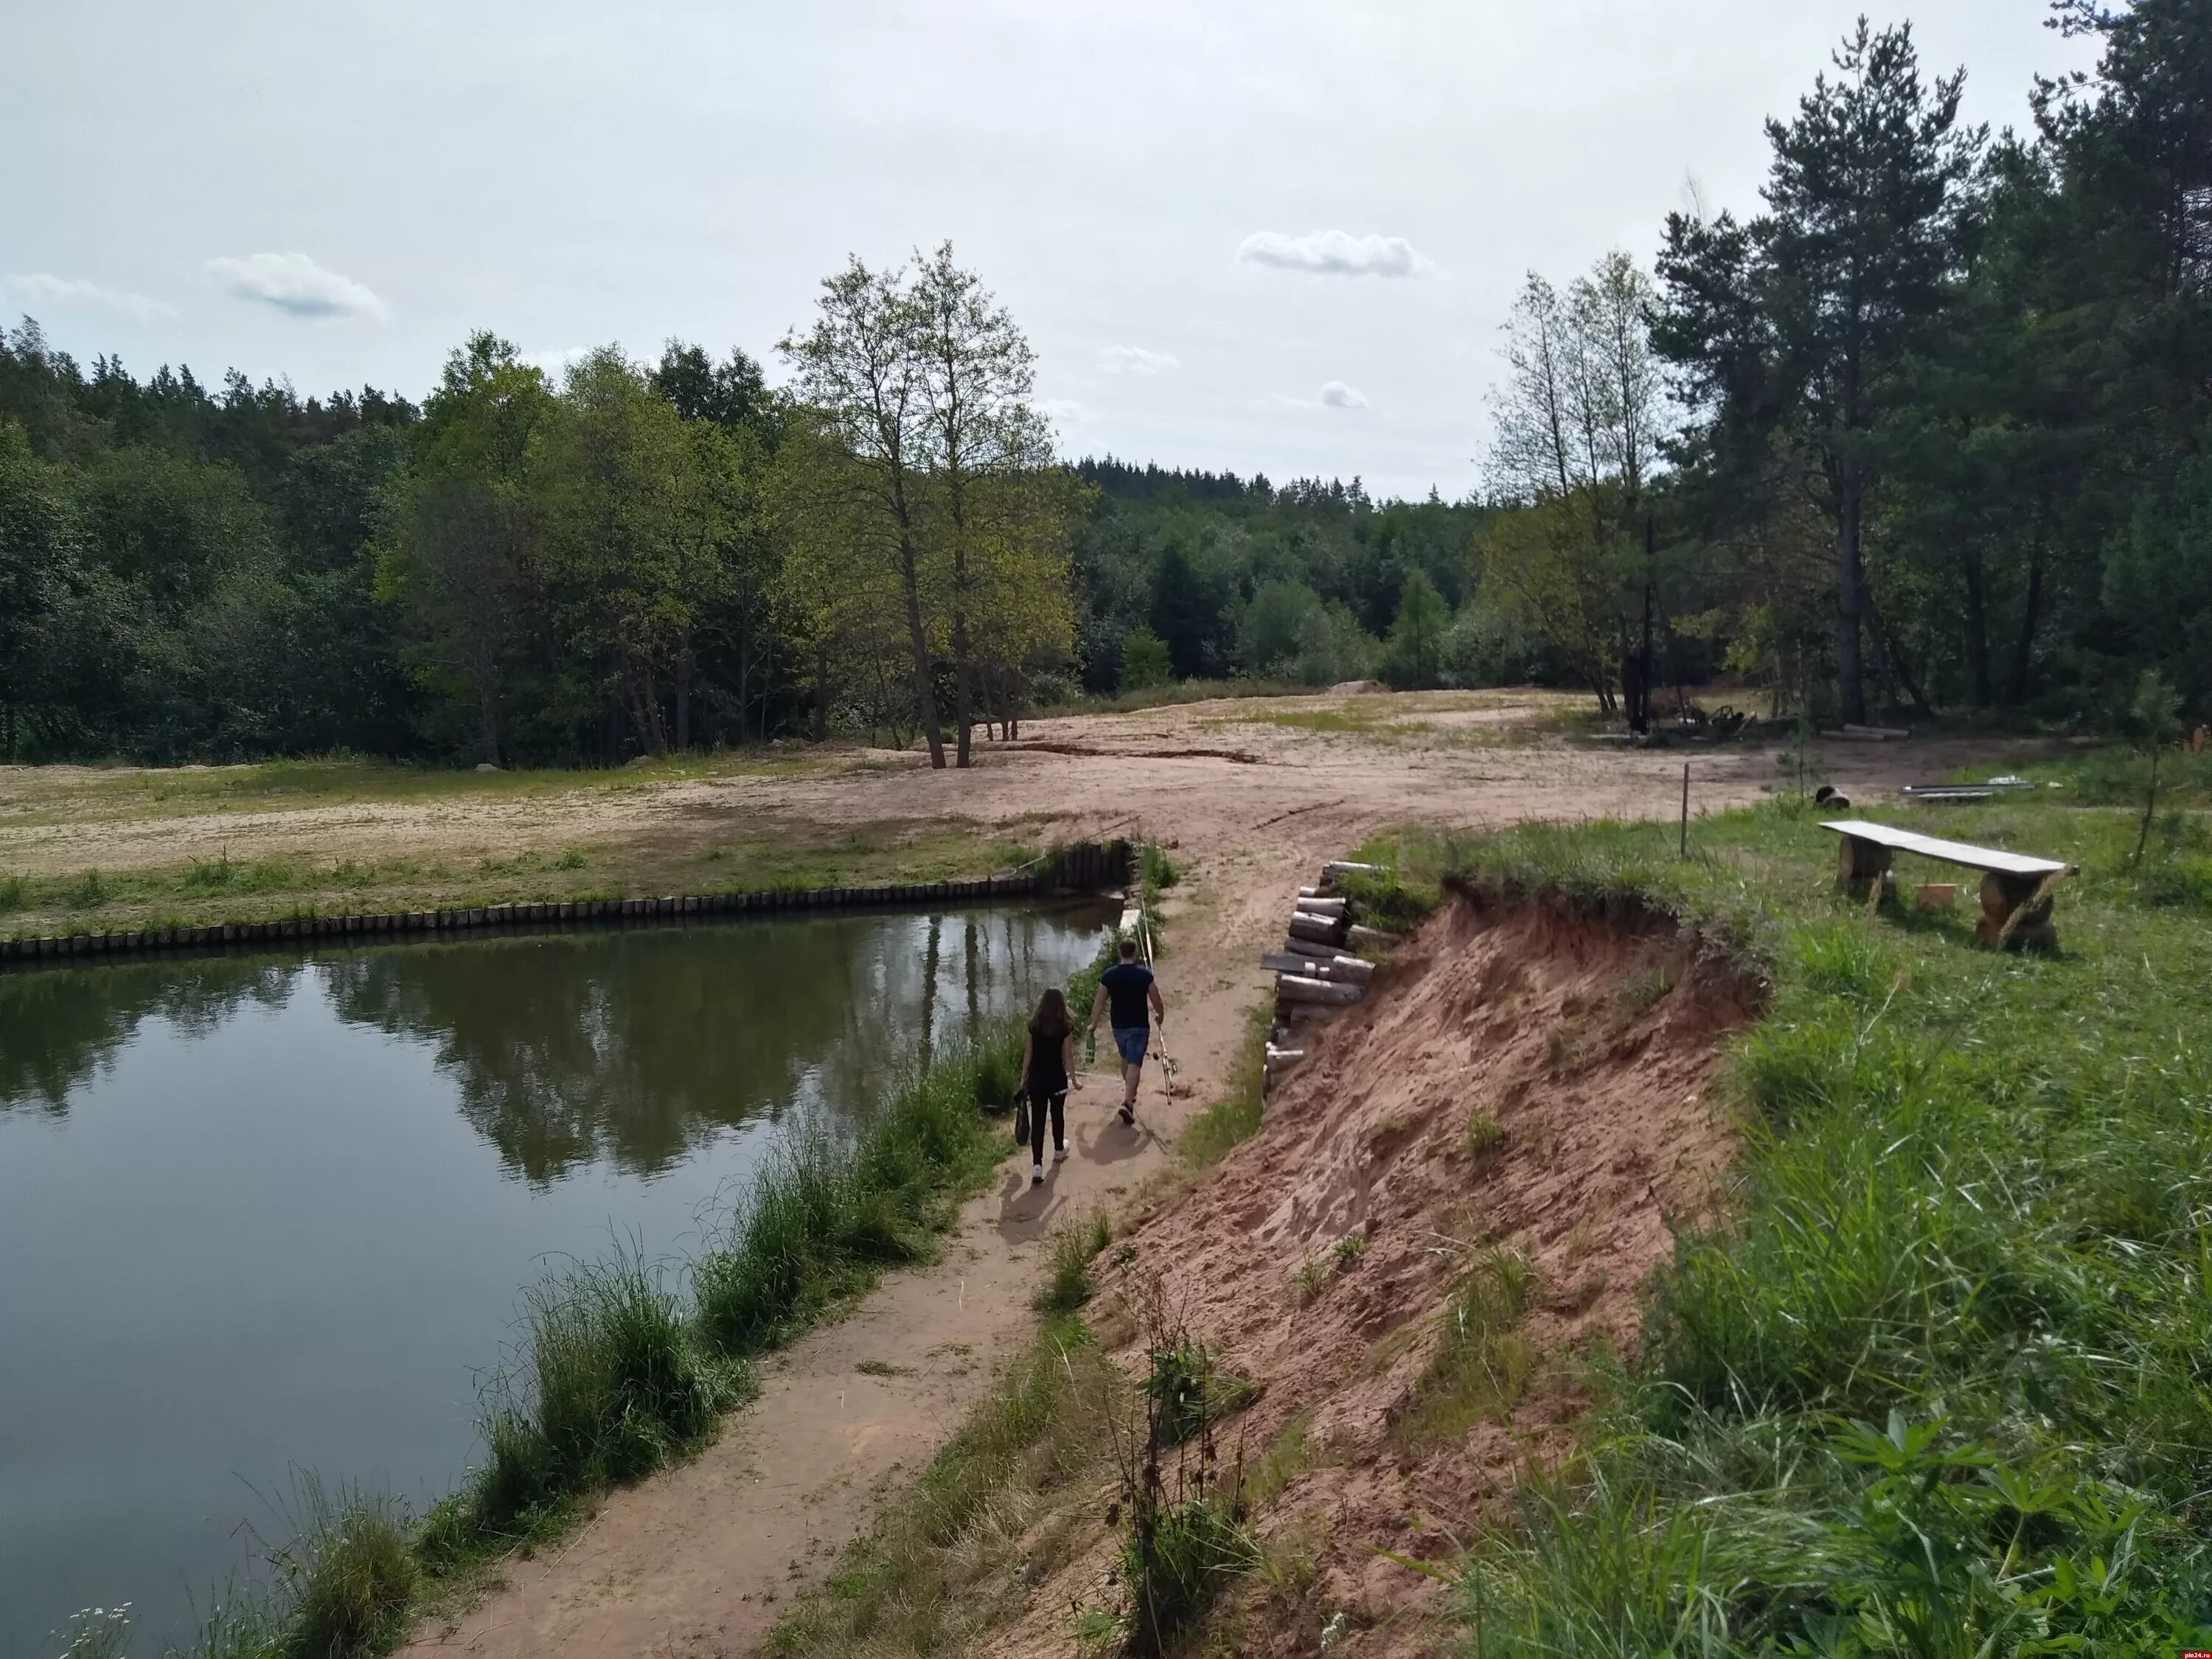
2001	895
1859	862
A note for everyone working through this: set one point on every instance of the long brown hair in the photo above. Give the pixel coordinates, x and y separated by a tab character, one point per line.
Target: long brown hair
1052	1016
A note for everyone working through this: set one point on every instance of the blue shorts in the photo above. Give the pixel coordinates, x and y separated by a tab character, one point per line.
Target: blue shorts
1133	1041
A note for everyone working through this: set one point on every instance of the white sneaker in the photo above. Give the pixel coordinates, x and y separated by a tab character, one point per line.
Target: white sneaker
1036	1173
1060	1154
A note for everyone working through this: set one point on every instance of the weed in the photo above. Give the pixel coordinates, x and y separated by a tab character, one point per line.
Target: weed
1290	1563
15	894
881	1368
1190	1392
1480	1369
571	859
1485	1135
1639	993
1156	871
88	892
347	1576
1290	1455
1309	1281
611	1386
1234	1117
1071	1250
1568	1047
1348	1250
97	1633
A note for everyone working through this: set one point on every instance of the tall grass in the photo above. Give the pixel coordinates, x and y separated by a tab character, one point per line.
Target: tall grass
1938	1385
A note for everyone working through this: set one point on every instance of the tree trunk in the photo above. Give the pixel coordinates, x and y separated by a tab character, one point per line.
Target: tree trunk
822	693
684	703
1895	652
1851	598
1978	630
925	693
2023	656
962	703
487	718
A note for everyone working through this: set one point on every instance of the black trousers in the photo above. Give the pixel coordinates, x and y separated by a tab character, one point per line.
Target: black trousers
1036	1122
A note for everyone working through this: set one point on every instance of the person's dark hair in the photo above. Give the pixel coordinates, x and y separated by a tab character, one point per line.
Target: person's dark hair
1052	1018
1129	949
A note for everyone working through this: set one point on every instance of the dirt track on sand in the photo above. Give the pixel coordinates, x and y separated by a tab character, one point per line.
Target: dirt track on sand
700	1560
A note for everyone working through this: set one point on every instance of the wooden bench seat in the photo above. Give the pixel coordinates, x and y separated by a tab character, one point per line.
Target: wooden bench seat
2011	882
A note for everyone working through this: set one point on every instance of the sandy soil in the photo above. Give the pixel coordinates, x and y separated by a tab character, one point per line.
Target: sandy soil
700	1560
1609	1137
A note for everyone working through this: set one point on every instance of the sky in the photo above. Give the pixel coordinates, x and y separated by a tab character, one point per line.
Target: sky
1276	238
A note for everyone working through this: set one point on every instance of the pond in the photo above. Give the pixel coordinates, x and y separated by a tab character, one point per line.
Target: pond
262	1214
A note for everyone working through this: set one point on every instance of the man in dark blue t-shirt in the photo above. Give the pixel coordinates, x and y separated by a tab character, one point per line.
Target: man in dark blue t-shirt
1128	992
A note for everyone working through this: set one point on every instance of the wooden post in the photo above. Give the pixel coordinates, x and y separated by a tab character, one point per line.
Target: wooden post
1684	850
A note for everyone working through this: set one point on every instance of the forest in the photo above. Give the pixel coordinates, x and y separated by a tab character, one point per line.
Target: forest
1923	430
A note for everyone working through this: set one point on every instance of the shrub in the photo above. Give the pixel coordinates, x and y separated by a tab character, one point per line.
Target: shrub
1480	1369
347	1579
1070	1252
612	1387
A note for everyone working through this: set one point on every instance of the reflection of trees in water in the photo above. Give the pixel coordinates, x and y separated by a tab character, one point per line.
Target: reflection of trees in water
58	1026
634	1047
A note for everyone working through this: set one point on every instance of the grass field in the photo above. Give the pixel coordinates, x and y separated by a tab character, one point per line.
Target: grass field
221	889
1939	1385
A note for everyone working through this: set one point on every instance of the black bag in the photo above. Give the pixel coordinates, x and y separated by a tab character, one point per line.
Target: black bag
1022	1119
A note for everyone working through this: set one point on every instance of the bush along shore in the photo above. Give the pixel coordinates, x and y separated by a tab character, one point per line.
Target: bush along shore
623	1369
1936	1383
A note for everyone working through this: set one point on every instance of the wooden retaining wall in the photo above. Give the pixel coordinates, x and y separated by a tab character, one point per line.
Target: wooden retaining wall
1083	868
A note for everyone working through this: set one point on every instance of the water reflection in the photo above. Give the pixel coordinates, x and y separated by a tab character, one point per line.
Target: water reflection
568	1047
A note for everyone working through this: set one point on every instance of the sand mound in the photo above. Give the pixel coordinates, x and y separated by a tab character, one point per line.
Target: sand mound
1592	1049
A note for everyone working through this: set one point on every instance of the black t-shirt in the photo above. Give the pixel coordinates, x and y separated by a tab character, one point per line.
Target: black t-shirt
1125	984
1047	1059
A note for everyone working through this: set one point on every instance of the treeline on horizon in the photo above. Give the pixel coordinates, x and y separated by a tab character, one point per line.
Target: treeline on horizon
1926	431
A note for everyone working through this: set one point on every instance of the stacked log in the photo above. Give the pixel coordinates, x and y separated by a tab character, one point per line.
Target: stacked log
1317	977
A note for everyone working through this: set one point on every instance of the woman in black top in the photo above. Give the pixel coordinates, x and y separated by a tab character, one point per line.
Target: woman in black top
1048	1069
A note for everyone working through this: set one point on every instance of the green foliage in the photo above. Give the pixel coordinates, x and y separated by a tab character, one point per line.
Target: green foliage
1481	1366
346	1578
1071	1250
1156	871
1415	659
1178	1565
1234	1117
614	1387
1144	661
1188	1391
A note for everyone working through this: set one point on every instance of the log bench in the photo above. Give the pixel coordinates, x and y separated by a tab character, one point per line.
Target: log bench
2011	882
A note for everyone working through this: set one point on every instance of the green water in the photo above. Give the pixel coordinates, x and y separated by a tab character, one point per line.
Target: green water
269	1212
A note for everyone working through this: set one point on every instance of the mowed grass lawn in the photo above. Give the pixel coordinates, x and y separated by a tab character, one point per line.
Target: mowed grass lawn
1941	1382
439	860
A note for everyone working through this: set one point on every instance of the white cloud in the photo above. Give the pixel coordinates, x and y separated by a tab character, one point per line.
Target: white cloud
1135	360
1335	254
1337	395
44	287
1063	412
556	365
294	285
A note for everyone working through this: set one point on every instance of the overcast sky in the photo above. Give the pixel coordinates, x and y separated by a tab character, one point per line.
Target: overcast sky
1276	237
